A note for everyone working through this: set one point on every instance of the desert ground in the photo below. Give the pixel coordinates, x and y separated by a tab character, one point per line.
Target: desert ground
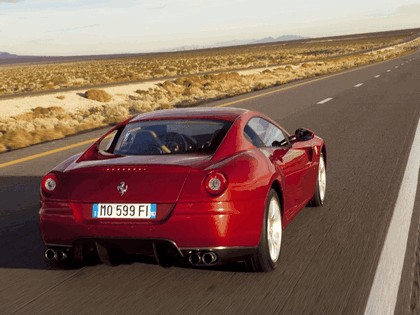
47	101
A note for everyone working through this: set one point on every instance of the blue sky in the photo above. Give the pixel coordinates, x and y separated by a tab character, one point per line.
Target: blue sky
71	27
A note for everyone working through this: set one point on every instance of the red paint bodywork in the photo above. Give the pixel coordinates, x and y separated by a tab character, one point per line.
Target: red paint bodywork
187	214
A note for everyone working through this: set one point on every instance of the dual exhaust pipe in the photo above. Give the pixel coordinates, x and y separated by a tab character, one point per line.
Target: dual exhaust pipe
57	255
206	258
202	258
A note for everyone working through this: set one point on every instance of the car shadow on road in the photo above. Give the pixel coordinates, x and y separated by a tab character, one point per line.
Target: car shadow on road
21	246
20	241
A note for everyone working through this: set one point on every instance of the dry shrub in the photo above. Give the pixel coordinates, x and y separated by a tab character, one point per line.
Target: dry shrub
114	114
16	139
42	135
259	86
171	87
44	124
41	77
52	111
135	107
64	129
188	81
98	95
43	112
141	92
165	106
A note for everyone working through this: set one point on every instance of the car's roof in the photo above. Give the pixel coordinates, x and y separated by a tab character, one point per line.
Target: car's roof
225	113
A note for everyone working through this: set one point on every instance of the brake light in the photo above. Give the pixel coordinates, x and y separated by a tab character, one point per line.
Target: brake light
215	183
49	183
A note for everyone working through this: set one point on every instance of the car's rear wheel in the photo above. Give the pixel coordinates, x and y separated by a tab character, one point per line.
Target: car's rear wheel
268	253
321	184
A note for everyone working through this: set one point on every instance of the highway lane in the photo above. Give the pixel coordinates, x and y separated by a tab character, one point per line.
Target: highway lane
329	255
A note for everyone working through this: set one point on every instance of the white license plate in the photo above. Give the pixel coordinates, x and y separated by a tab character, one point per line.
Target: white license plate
124	210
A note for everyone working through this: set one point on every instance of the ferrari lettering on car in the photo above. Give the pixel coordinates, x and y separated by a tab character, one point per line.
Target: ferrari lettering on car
199	186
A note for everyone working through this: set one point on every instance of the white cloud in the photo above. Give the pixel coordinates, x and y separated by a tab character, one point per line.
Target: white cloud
152	5
68	27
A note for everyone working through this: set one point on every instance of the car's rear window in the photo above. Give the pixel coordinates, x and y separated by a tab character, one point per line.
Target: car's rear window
181	136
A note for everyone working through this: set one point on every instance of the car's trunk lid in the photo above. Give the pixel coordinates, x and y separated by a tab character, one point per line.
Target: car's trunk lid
124	183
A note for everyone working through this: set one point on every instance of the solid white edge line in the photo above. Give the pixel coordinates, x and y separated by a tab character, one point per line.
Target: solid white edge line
324	101
384	292
358	85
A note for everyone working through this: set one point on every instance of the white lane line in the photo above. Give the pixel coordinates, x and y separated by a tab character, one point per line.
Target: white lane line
377	76
384	291
396	67
325	101
358	85
388	70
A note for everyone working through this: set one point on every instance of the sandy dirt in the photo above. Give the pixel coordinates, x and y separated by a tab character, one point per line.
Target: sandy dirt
74	100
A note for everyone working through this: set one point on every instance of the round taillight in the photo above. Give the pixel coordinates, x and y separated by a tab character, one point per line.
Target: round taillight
215	183
49	183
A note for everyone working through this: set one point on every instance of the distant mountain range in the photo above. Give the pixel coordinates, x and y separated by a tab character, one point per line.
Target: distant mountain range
6	55
264	40
8	58
283	38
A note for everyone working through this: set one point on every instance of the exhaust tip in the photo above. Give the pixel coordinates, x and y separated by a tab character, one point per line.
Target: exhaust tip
194	259
60	255
209	258
49	254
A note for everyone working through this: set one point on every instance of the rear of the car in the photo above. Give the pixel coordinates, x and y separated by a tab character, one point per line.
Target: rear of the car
154	186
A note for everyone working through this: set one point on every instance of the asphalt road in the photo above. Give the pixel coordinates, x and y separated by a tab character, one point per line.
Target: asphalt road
329	254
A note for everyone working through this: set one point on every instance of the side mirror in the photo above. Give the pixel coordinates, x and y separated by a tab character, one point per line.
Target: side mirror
302	134
278	154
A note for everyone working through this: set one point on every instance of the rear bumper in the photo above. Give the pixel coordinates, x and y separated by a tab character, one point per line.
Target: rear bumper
163	251
214	225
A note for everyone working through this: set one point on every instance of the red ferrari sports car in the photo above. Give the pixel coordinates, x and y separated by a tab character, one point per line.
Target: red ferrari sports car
203	186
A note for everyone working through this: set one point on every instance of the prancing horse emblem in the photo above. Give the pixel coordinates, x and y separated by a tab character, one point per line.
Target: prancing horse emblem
122	188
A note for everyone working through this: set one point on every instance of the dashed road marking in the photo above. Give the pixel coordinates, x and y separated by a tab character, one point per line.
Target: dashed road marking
388	70
396	67
358	85
325	101
384	292
377	76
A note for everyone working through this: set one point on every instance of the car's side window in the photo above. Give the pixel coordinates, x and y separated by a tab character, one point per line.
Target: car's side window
263	133
253	137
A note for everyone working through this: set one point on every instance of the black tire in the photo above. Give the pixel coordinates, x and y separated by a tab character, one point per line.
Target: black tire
318	198
262	260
